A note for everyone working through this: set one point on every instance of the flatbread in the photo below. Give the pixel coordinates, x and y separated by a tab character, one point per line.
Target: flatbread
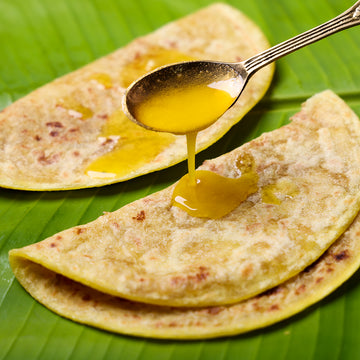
72	133
152	252
86	305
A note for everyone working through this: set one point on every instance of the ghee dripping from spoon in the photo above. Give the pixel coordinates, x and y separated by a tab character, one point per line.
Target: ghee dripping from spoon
206	72
206	194
171	79
201	193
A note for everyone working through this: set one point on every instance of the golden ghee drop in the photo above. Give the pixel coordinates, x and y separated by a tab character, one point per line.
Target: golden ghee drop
134	147
213	196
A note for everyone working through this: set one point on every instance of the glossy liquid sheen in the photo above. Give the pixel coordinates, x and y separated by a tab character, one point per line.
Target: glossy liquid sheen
135	146
186	110
213	196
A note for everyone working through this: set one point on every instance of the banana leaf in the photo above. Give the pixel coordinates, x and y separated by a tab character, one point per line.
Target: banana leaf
44	39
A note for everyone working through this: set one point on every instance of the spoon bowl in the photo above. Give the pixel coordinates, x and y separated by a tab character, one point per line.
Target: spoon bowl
208	73
179	76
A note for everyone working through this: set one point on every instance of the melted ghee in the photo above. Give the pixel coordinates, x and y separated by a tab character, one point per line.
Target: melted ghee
154	58
276	193
200	193
133	147
191	150
185	109
213	196
204	193
78	110
103	79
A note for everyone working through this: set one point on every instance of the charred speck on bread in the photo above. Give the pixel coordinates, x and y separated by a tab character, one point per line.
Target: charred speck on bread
198	277
86	297
48	160
214	310
79	230
341	255
140	216
271	291
56	124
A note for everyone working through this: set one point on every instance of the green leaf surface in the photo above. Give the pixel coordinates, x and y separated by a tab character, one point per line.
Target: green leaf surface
43	39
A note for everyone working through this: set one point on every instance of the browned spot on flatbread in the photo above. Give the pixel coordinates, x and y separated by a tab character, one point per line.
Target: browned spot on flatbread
202	274
86	297
248	270
48	160
79	230
300	289
198	277
56	124
214	310
173	324
342	255
107	142
140	216
311	266
272	291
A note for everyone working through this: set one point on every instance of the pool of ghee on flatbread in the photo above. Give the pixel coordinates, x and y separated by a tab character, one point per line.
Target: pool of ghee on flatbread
186	110
133	145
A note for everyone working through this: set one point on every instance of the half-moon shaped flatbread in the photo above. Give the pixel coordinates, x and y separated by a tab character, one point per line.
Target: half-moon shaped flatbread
72	133
86	305
152	252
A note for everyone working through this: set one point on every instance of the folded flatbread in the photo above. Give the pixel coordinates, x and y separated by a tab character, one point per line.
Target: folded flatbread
151	252
86	305
72	133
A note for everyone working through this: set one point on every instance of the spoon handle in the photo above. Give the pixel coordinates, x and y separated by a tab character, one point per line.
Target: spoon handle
349	18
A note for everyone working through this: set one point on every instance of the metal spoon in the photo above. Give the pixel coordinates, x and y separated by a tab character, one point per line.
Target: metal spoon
177	75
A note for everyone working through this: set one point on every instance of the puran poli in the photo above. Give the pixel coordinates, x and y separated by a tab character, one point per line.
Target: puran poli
72	133
151	252
86	305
